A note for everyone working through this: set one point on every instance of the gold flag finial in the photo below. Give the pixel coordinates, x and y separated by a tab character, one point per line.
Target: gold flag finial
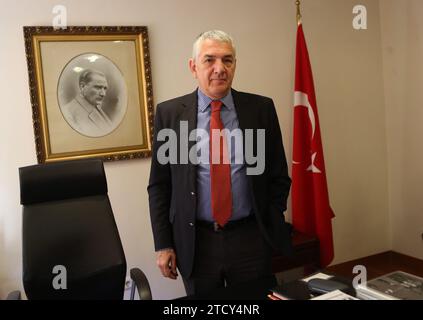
298	3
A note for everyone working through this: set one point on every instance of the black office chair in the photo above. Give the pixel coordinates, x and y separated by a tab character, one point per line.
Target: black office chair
68	224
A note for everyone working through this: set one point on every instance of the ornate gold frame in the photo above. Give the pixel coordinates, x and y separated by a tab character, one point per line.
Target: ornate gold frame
34	36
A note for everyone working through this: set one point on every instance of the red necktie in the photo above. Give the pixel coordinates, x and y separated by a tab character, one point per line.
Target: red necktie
220	169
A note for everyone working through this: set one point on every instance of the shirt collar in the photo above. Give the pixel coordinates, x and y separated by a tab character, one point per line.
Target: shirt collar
204	101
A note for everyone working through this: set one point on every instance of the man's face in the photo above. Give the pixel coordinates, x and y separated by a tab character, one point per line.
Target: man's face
214	68
95	90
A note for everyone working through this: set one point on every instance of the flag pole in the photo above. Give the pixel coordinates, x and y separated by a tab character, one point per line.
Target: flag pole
298	4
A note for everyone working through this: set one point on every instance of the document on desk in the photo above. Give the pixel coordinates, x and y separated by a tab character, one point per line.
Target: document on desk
397	285
335	295
319	275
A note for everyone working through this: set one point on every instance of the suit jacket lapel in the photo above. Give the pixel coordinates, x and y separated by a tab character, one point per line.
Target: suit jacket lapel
246	118
97	118
189	114
242	107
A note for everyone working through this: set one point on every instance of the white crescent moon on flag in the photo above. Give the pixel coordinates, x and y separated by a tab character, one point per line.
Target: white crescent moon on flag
301	100
313	167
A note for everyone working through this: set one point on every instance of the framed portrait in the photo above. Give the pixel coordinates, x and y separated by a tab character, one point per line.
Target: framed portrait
91	92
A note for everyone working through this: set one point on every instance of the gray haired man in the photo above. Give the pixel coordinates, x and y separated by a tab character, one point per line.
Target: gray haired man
216	224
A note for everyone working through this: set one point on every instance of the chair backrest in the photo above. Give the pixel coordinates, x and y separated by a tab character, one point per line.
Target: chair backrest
68	224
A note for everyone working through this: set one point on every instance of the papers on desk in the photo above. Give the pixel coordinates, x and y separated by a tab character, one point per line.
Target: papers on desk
335	295
317	276
397	285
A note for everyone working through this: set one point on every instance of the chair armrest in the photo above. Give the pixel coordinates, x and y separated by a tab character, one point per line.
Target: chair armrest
141	283
14	295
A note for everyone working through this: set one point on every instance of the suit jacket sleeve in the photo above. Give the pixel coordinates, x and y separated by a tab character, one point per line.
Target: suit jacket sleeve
160	192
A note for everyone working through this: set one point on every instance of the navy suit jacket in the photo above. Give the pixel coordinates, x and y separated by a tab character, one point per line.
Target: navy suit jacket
172	187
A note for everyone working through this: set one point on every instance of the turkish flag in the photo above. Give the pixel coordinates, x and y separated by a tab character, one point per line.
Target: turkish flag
311	212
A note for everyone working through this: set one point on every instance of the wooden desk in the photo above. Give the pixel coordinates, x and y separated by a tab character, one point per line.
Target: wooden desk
380	264
306	254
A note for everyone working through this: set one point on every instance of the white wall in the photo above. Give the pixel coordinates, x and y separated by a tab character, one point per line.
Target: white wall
348	75
402	45
347	69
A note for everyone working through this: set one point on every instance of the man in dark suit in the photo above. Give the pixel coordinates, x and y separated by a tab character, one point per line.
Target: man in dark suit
218	222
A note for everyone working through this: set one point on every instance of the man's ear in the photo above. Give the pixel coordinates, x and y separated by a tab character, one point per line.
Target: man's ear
193	67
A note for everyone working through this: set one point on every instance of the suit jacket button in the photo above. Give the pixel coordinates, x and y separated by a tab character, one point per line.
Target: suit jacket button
191	224
192	193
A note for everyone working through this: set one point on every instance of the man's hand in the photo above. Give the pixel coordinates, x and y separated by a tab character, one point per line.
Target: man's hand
166	261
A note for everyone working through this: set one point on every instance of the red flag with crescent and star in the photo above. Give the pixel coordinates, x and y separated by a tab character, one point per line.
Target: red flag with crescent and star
311	212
